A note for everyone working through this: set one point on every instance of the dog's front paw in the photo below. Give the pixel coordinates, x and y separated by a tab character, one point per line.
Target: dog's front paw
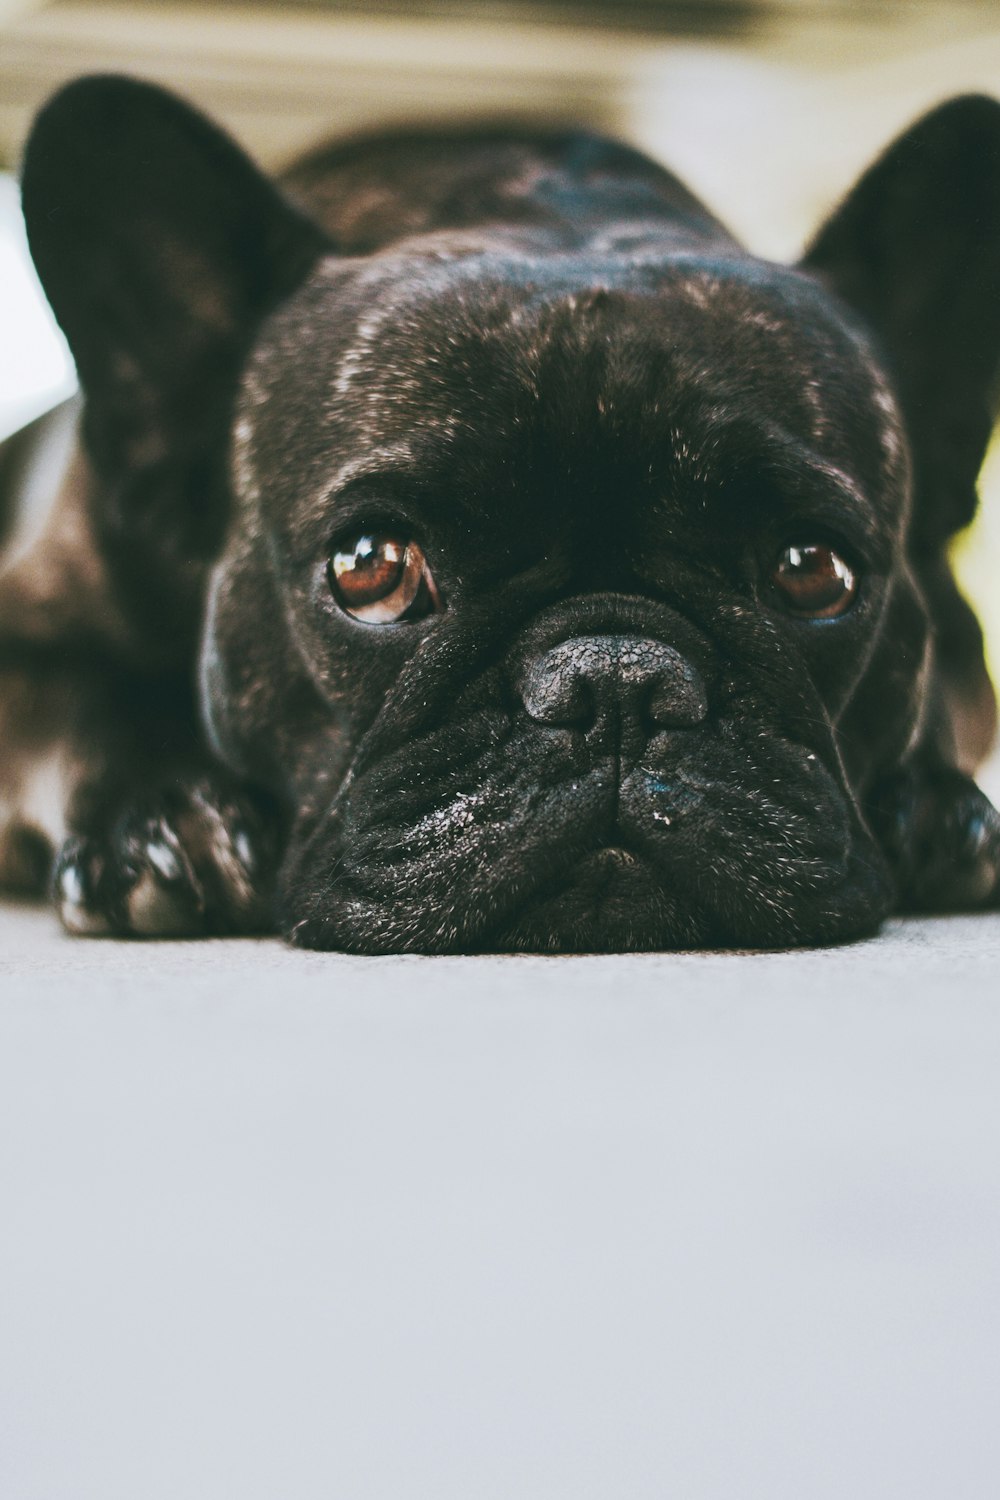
193	859
942	836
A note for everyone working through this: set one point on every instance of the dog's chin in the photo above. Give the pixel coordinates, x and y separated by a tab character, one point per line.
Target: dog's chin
611	902
615	901
612	899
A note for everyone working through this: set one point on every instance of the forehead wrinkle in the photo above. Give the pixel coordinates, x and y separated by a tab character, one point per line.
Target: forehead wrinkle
756	313
373	464
746	448
782	452
832	484
848	491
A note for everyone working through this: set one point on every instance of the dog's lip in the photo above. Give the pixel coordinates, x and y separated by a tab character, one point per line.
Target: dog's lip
603	879
598	869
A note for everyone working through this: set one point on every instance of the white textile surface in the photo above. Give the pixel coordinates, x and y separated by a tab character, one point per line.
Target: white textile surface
663	1227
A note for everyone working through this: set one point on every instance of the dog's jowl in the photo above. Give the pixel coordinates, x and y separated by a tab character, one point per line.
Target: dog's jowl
465	544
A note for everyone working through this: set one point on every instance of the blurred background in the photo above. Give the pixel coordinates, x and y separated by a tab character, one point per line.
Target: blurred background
769	108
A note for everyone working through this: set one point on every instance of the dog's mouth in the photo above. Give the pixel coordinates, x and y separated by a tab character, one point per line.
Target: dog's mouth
718	840
613	900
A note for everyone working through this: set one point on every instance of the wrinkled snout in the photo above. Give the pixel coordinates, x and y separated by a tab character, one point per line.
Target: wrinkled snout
592	680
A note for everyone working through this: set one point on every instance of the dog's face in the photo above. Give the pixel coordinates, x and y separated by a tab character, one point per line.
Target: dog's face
575	580
568	598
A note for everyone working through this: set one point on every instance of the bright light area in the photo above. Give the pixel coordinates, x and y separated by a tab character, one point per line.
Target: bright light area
36	370
977	558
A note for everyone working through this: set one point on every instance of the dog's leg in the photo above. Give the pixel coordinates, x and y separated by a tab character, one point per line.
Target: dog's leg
938	829
108	792
34	774
941	835
107	797
193	856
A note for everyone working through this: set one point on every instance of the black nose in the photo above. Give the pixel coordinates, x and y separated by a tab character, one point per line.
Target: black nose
593	680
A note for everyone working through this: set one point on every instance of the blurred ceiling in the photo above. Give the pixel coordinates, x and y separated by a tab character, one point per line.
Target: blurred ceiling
281	75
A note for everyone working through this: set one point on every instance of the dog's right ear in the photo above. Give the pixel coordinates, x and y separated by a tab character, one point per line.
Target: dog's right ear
160	247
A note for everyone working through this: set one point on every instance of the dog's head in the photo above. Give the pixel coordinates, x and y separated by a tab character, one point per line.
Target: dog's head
571	595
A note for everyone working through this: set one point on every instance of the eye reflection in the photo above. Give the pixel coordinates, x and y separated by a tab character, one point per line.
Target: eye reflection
381	579
814	581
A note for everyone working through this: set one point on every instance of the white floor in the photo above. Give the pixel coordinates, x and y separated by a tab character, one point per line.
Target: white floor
710	1227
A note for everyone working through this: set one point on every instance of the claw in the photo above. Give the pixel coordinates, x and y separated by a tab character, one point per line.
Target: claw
75	882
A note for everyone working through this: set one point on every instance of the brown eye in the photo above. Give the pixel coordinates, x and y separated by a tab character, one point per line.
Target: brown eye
814	581
380	579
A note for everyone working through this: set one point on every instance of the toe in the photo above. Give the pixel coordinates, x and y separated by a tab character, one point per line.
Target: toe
76	880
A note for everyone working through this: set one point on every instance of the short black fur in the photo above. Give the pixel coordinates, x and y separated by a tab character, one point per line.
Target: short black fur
536	358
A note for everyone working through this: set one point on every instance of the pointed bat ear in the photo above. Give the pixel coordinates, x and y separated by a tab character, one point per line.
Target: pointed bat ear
160	247
915	250
159	244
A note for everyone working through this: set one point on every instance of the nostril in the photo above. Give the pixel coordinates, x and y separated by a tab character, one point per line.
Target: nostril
678	699
557	692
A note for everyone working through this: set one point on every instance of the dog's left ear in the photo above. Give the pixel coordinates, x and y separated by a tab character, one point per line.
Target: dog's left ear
161	247
915	249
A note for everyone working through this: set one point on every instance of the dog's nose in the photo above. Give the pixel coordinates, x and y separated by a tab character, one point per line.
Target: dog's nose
594	680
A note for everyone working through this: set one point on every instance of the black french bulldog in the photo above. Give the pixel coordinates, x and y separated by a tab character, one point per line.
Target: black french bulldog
472	547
